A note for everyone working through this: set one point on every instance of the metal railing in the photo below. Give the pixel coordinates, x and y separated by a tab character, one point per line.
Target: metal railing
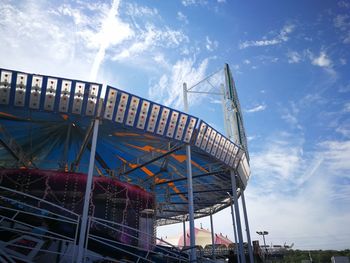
35	230
32	227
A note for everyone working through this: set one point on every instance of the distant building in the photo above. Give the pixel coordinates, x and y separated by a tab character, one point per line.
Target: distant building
202	236
338	259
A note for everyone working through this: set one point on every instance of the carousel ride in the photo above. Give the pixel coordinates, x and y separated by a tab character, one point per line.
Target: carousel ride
138	164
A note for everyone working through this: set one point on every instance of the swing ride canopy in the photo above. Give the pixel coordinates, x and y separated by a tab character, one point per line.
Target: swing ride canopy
47	122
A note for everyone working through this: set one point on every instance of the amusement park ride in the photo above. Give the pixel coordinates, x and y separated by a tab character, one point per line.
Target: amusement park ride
86	179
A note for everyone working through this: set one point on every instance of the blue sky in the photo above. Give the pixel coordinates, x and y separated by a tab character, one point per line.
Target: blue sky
290	61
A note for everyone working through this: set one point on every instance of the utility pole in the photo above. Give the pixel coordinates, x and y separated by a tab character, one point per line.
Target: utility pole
263	233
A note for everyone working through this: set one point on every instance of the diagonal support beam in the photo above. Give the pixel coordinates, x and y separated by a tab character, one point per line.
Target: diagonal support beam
199	203
194	177
204	191
87	145
87	137
152	160
11	145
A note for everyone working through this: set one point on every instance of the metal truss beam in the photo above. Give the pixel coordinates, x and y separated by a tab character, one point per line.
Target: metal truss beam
193	177
152	160
11	145
204	191
198	203
179	211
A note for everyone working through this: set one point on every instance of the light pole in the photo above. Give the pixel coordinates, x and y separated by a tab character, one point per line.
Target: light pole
263	233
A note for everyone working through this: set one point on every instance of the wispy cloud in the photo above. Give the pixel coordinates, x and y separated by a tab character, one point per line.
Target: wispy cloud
52	39
148	39
135	10
257	108
322	60
113	32
344	129
344	88
194	2
169	90
210	44
280	160
342	22
252	137
290	115
283	36
347	107
294	57
301	187
344	4
343	61
181	17
337	157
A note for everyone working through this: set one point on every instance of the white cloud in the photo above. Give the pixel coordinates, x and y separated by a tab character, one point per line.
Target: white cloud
181	17
246	61
283	36
169	90
148	39
344	130
322	60
160	59
43	42
211	45
290	114
135	10
279	160
347	107
340	21
251	138
113	31
293	57
194	2
346	40
344	4
301	188
337	157
342	61
258	108
344	88
221	1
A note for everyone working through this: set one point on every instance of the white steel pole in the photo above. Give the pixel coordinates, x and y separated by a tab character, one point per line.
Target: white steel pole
84	217
238	219
190	187
184	230
212	236
250	250
234	228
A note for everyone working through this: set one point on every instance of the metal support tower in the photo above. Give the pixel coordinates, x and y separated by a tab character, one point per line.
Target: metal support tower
234	227
184	231
190	188
250	250
212	235
238	218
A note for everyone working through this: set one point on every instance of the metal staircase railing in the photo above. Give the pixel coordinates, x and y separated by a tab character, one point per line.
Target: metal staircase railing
144	255
31	231
25	234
